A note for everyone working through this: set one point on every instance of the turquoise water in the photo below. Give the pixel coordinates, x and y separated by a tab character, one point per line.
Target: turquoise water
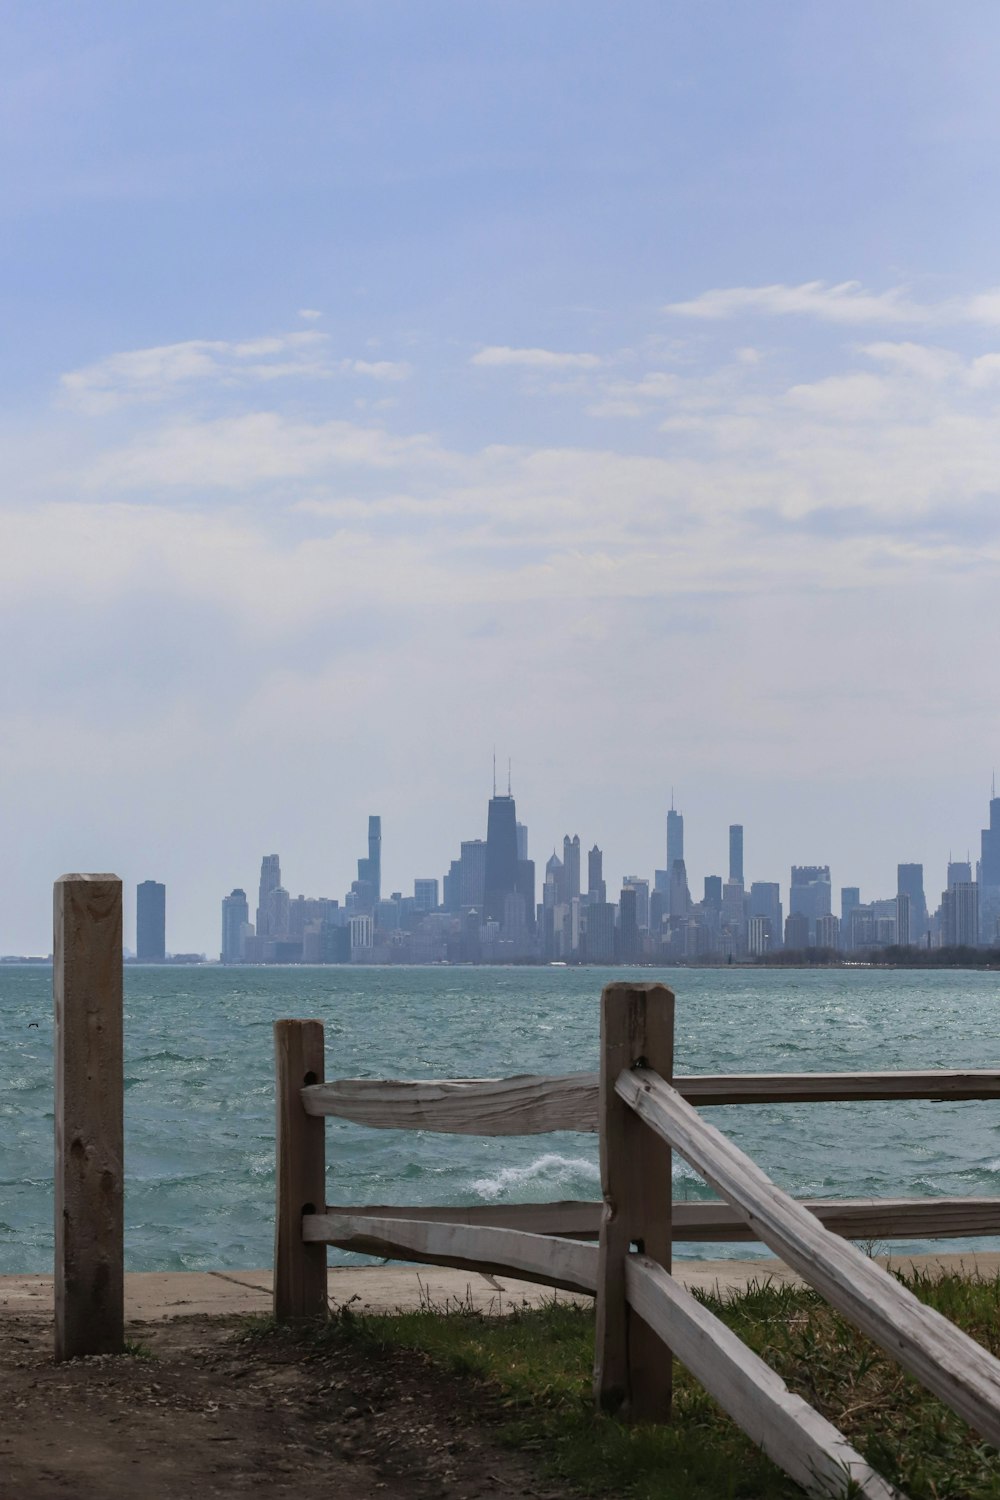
199	1102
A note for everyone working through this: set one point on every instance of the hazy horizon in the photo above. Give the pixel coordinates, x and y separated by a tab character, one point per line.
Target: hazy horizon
618	387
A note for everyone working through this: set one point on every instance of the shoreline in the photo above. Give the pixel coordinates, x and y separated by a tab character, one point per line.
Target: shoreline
152	1296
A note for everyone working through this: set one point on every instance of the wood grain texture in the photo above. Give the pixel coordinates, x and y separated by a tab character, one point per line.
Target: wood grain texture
533	1104
300	1176
719	1223
808	1447
631	1374
929	1347
89	1126
533	1257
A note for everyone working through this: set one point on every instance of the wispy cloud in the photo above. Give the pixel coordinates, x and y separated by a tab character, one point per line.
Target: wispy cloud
844	302
534	359
168	370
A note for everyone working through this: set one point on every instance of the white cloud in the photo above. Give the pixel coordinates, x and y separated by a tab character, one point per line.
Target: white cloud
918	360
310	314
845	302
534	359
382	369
170	370
247	451
157	373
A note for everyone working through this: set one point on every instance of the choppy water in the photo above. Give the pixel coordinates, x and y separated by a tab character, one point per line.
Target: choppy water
199	1103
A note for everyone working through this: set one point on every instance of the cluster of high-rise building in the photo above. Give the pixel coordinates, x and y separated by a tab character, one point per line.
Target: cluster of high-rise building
486	908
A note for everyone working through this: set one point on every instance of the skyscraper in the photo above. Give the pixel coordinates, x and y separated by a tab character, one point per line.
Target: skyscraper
675	837
235	923
501	856
765	902
151	922
809	895
522	840
736	852
370	869
628	926
270	880
910	883
571	865
472	884
989	875
596	888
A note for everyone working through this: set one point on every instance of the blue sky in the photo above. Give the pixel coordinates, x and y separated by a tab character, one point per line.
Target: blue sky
380	382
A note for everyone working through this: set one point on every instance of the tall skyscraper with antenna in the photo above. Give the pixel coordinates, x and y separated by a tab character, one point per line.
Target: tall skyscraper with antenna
501	850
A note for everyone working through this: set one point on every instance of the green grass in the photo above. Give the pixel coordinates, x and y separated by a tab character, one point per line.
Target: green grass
535	1367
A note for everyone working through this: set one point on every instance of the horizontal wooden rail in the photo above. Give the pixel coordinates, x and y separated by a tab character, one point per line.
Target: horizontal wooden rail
534	1104
718	1223
943	1358
511	1252
804	1444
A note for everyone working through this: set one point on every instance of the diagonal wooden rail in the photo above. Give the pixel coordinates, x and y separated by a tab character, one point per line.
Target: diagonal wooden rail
927	1345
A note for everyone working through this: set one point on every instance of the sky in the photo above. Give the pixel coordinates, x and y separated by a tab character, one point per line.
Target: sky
381	384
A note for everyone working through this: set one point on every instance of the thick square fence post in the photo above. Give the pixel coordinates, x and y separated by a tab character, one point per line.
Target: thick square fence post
89	1116
632	1366
299	1269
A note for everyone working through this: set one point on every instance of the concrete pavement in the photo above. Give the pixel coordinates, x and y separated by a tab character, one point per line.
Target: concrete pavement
153	1295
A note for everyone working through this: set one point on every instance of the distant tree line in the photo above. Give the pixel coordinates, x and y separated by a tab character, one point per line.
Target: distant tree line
959	957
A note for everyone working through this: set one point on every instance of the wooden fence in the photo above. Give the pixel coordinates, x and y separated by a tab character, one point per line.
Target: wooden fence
642	1113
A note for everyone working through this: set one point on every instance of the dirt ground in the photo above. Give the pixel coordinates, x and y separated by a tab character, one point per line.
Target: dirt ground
198	1413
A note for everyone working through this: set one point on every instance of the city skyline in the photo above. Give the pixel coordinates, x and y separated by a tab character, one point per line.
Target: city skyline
192	930
582	862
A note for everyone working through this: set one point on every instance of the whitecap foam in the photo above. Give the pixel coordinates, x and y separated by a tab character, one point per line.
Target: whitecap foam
551	1170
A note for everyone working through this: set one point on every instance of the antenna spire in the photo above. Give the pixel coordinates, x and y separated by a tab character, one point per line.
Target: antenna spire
509	793
494	770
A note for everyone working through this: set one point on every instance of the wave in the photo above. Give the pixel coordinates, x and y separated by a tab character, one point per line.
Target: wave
551	1170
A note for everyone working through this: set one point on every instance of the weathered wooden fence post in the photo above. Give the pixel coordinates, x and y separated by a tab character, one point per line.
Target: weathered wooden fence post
299	1269
632	1367
89	1128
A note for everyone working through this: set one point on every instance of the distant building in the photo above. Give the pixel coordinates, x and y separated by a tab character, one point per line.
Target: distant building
910	883
501	856
675	838
599	935
828	931
765	901
425	895
759	936
796	931
960	915
571	865
522	841
370	868
989	875
736	852
235	926
270	880
151	922
850	897
959	872
641	888
596	888
472	885
628	926
809	894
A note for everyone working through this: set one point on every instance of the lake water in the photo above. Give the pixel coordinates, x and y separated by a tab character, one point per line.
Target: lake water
199	1102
